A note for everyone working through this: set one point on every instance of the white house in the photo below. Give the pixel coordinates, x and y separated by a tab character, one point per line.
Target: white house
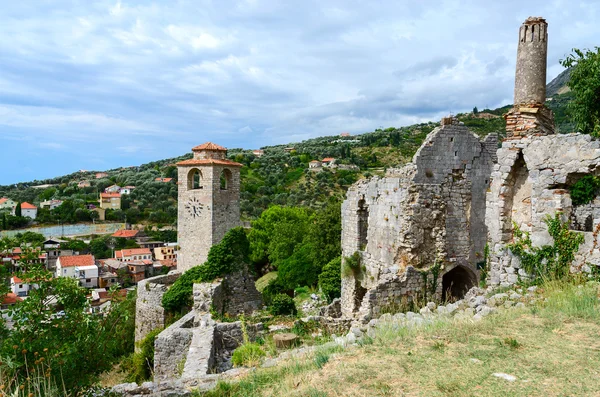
112	189
28	210
133	254
80	267
126	189
50	204
20	287
7	204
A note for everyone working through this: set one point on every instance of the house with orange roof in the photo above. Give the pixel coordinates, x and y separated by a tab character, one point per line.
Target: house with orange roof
314	164
80	267
110	201
7	204
327	161
21	287
127	234
163	180
133	254
83	184
9	300
28	210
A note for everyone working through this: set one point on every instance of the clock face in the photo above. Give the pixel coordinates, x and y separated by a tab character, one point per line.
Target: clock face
194	207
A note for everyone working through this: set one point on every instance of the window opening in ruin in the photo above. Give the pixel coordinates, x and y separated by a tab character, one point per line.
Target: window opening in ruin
455	154
363	224
451	139
225	179
359	294
582	223
194	178
532	32
518	201
456	283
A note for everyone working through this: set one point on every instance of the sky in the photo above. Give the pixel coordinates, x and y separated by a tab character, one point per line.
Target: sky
95	85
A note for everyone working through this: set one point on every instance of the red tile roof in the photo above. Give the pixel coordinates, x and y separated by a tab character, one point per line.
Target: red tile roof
328	159
16	280
163	179
168	263
11	299
3	200
132	251
126	233
209	146
110	195
76	260
26	206
210	162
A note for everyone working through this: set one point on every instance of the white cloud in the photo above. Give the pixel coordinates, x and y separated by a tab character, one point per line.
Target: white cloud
254	72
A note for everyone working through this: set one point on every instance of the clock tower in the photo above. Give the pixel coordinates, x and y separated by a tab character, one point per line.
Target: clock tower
208	202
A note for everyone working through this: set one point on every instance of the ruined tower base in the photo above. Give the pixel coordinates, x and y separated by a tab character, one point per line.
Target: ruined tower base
529	119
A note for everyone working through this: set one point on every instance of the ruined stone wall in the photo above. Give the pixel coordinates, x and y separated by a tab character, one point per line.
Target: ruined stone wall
149	313
171	348
529	183
429	211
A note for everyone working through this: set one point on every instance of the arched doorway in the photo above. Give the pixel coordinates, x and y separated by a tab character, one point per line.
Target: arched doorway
456	283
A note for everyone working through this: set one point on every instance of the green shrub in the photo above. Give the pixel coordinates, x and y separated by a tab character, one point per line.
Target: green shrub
248	354
230	255
351	265
585	190
549	261
299	270
142	362
275	287
330	280
282	304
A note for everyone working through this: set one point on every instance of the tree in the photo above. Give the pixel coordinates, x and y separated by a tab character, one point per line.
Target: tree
277	232
299	270
76	345
475	110
325	234
584	82
18	210
330	280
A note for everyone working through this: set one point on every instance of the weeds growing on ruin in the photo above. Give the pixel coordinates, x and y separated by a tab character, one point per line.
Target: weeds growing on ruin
549	262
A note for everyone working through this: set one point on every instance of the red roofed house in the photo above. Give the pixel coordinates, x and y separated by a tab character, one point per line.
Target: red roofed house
327	161
101	175
28	210
128	234
7	204
133	254
345	134
81	267
164	180
83	184
110	201
20	287
9	300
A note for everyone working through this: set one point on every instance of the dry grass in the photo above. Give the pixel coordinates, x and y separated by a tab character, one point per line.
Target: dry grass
552	349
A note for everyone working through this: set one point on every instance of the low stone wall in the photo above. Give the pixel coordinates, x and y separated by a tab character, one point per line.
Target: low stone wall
149	313
228	336
171	348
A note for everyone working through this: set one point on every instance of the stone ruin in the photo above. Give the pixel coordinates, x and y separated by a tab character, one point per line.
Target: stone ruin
422	230
422	219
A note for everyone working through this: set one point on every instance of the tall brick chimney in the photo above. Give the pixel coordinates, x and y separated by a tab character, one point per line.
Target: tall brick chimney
529	115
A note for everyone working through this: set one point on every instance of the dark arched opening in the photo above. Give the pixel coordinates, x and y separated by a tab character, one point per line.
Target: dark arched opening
456	283
225	180
194	179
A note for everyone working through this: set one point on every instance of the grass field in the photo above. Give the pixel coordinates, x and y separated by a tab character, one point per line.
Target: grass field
551	349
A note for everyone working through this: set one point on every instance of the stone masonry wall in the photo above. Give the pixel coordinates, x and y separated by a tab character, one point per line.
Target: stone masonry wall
149	313
429	211
529	183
